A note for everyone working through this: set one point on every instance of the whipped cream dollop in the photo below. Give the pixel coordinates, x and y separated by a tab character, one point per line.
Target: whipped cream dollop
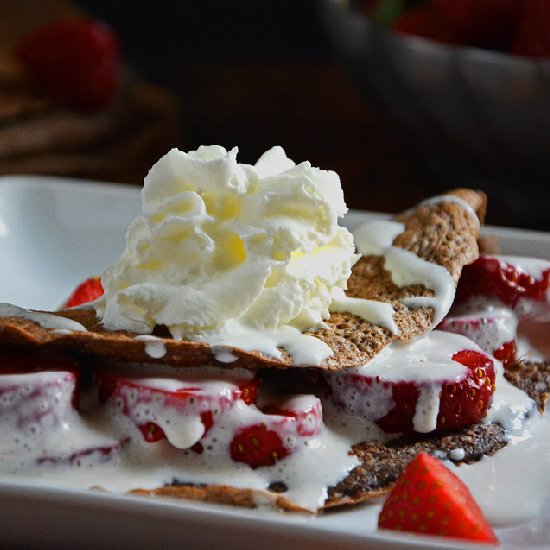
223	247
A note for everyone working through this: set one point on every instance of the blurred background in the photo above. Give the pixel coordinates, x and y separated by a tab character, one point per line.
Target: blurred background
398	120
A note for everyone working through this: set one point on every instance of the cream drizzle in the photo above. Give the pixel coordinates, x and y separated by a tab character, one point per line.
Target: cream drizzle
45	320
378	313
451	198
154	347
407	268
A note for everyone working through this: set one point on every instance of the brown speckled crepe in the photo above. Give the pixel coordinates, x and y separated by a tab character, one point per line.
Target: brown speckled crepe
443	233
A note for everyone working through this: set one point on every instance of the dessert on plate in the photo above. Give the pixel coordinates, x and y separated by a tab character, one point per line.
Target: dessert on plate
247	349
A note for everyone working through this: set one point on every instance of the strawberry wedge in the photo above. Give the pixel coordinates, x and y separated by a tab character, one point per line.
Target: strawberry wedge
429	499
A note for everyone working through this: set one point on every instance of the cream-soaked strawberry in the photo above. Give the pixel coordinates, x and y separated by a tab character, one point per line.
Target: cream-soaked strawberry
177	409
287	422
522	284
493	329
440	381
36	396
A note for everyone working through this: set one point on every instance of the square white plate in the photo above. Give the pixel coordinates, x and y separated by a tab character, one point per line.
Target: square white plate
55	232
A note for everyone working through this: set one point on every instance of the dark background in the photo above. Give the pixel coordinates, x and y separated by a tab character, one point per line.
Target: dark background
256	74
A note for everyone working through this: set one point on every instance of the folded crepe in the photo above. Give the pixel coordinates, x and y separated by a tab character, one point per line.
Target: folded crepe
444	233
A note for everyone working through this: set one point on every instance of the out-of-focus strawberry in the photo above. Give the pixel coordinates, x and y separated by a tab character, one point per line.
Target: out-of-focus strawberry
493	277
507	353
429	499
36	393
76	59
424	21
493	331
85	292
532	29
486	23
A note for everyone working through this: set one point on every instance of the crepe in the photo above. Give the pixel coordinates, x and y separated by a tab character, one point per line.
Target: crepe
444	233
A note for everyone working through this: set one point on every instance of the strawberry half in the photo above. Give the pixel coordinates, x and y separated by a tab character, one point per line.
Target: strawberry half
75	59
429	499
492	277
87	291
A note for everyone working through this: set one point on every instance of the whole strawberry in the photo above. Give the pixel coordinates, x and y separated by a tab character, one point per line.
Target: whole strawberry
429	499
75	59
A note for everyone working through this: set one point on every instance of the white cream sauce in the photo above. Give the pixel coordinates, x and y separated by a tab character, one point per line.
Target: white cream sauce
103	447
154	346
406	268
45	320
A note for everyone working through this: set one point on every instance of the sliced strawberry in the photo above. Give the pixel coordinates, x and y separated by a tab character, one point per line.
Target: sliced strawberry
429	499
257	446
76	59
393	405
305	411
181	411
494	331
507	353
87	291
424	21
37	395
287	422
92	454
493	277
485	24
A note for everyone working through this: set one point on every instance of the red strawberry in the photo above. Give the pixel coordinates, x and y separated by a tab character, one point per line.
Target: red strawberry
532	32
487	23
507	353
492	277
491	330
20	362
257	446
85	292
287	419
36	396
305	412
460	403
156	405
424	21
429	499
75	59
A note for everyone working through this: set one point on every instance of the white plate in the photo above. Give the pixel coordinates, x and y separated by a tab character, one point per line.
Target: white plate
54	232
